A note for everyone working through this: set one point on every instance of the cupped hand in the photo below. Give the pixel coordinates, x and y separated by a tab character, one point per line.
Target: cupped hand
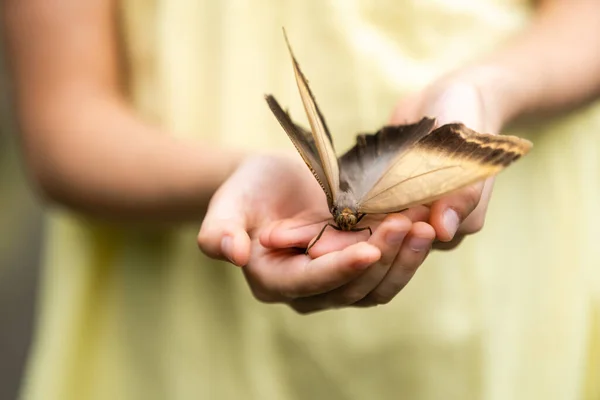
462	212
263	218
266	214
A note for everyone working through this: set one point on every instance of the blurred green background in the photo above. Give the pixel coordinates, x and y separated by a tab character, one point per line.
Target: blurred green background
20	243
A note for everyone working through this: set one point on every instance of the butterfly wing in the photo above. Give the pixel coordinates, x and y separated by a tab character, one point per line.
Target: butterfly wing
320	132
364	164
449	158
304	143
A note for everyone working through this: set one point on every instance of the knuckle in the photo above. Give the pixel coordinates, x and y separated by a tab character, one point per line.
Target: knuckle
385	296
473	223
476	224
470	197
380	298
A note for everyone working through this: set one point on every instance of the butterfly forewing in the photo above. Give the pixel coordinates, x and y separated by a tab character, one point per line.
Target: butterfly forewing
319	129
304	143
449	158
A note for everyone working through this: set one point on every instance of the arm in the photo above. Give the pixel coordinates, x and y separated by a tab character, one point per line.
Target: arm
552	67
84	145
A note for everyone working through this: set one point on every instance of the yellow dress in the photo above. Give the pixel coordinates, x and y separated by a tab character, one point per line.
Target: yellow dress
513	314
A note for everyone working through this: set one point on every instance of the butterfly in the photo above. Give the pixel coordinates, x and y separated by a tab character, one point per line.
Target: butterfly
398	167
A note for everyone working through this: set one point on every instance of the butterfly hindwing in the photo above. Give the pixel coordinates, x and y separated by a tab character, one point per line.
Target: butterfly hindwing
449	158
363	165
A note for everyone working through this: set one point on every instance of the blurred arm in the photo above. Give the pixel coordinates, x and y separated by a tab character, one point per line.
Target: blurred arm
85	146
553	66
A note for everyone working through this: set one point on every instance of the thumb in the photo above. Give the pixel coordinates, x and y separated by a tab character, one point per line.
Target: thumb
224	231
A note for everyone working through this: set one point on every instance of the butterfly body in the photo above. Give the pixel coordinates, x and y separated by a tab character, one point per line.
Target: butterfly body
345	219
398	167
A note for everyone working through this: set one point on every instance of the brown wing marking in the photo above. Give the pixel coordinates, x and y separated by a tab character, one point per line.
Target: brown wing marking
304	143
363	165
451	157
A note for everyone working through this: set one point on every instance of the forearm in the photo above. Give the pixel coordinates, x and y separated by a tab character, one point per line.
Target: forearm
551	67
99	158
84	146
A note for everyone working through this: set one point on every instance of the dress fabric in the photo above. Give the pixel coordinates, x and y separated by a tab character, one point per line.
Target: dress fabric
514	313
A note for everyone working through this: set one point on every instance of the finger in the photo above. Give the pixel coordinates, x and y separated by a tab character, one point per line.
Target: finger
300	233
447	246
223	233
226	240
475	221
450	211
388	237
333	241
413	252
418	213
264	236
301	276
292	232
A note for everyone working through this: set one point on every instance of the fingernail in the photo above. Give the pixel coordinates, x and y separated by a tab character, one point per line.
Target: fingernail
395	238
450	222
227	248
419	244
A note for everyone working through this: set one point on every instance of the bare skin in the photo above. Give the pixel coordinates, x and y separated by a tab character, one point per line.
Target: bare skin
85	146
64	64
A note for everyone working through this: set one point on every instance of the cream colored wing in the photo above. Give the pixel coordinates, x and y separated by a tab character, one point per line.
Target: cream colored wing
318	127
449	158
304	143
363	165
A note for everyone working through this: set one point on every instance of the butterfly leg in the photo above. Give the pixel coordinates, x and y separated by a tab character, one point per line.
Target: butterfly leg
361	216
321	234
